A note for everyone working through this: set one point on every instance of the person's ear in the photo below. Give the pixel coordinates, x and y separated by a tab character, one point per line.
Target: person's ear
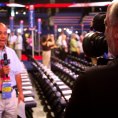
115	33
116	36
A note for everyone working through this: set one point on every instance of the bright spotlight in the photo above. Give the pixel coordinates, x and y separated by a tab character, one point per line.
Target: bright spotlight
59	29
8	31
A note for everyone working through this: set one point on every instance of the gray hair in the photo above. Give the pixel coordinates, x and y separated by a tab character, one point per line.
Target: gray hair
113	13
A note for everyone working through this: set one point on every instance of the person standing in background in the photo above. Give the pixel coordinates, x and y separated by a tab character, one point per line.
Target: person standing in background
74	49
61	37
11	40
80	45
29	45
29	40
62	46
47	43
19	45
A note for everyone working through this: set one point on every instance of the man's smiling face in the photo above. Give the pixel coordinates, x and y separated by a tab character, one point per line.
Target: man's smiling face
3	35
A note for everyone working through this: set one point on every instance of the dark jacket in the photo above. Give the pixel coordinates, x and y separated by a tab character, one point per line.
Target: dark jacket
95	93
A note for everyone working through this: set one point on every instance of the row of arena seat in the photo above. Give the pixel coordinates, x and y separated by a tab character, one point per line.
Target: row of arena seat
28	92
66	64
54	91
79	62
55	86
67	73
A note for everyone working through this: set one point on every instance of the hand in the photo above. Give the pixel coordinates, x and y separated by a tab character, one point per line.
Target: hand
20	97
5	70
66	50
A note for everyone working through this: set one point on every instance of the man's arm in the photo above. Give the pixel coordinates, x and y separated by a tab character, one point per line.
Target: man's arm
19	86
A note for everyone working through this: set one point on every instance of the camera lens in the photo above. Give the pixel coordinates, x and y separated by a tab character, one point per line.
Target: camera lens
94	44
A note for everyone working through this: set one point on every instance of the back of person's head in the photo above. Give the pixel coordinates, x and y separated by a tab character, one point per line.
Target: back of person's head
111	31
44	38
113	13
12	32
98	22
62	32
26	35
73	35
84	33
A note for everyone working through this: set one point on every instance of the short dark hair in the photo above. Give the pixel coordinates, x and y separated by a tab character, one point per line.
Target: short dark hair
98	22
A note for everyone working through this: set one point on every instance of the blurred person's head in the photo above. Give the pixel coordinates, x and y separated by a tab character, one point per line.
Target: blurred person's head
62	32
78	37
19	33
26	35
84	33
3	35
73	35
111	28
12	33
44	38
98	22
52	36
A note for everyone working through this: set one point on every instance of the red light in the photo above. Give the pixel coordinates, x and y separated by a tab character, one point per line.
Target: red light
21	21
11	17
31	7
39	20
65	5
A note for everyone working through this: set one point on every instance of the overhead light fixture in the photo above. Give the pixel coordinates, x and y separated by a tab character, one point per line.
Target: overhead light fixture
91	4
15	5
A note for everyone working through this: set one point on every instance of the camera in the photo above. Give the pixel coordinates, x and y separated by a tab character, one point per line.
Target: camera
94	43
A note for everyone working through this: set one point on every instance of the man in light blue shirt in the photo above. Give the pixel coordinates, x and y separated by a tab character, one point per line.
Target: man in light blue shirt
9	78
